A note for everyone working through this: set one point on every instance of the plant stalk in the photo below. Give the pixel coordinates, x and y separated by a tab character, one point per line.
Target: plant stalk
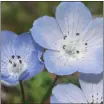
22	91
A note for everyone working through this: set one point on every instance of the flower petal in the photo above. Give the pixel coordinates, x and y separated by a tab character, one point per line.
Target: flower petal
94	60
7	48
46	32
93	34
9	81
93	91
72	17
34	66
95	78
54	100
58	64
24	45
8	37
24	75
39	49
68	93
4	69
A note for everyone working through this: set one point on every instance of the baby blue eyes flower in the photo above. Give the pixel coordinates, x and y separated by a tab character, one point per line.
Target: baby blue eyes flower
90	93
73	39
20	57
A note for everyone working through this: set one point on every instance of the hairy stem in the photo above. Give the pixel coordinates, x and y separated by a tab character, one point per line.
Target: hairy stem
22	91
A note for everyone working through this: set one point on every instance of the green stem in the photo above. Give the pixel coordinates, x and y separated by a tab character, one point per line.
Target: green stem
22	91
53	84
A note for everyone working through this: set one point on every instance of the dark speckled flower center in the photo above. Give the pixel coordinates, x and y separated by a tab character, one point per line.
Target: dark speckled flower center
16	66
75	49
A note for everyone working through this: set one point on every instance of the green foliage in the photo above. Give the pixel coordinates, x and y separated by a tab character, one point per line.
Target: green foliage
74	79
38	86
19	16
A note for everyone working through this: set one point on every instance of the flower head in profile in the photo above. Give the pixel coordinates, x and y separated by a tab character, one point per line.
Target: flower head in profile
20	57
90	92
73	39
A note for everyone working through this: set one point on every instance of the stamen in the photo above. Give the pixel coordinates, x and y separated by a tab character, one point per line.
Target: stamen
77	51
14	65
20	61
85	43
13	56
18	57
10	61
65	37
77	34
64	46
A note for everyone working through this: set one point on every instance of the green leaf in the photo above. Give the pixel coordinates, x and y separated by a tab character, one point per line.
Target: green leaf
38	87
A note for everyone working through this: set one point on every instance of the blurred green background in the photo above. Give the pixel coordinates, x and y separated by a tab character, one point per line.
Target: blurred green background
19	17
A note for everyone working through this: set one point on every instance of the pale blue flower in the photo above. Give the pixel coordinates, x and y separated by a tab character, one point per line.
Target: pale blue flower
90	92
73	39
20	57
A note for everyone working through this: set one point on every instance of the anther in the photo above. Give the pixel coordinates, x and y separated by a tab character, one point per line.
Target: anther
77	51
65	37
13	56
77	34
20	61
18	57
14	65
10	61
64	46
85	43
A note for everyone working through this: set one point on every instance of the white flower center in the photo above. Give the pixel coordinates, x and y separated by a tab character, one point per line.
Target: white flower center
74	48
16	66
97	98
